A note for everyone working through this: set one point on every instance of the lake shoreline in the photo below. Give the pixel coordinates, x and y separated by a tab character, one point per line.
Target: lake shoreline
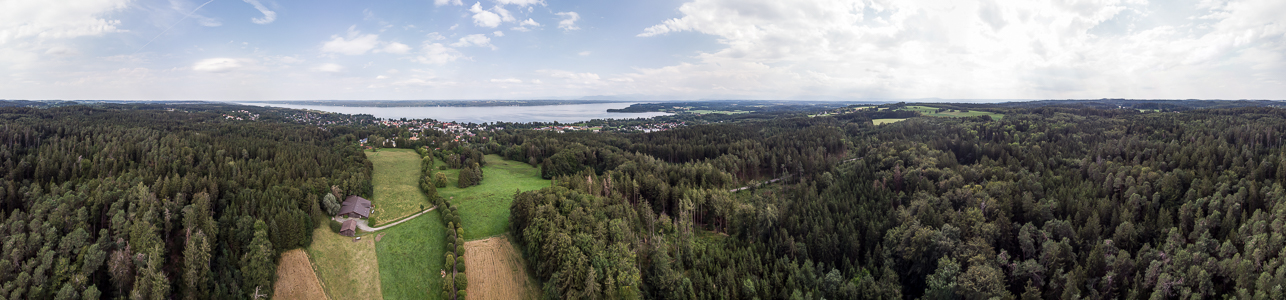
562	113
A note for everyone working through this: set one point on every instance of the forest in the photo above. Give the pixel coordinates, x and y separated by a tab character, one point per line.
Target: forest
152	202
1056	200
1052	202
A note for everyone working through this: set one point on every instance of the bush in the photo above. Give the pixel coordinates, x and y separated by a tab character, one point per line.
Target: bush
461	282
447	286
462	294
440	179
459	264
459	250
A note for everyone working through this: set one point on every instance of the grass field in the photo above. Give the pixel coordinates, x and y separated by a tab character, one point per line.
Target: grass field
886	121
397	190
933	112
496	271
296	279
410	256
484	209
347	269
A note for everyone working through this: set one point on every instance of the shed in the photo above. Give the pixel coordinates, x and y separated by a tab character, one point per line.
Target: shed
349	228
355	207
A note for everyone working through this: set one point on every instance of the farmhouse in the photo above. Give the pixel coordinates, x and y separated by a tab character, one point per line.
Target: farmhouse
349	228
355	207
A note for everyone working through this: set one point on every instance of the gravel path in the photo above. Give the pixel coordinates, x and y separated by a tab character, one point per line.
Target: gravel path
361	223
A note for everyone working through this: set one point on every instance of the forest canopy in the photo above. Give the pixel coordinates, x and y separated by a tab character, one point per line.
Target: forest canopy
1056	200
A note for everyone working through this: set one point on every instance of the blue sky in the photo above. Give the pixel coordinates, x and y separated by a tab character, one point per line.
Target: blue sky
665	49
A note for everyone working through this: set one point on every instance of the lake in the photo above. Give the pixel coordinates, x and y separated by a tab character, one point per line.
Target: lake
568	113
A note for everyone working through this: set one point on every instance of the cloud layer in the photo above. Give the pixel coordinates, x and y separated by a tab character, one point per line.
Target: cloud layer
727	49
978	49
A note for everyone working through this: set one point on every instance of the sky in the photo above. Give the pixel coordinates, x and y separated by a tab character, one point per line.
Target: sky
654	49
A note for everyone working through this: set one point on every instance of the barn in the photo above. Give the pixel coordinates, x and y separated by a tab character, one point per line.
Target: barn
355	207
349	228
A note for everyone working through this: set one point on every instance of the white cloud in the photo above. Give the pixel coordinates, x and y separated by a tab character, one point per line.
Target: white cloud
356	43
498	33
504	14
569	20
478	40
207	21
268	15
434	36
523	26
435	53
396	48
490	18
521	2
446	2
66	19
976	49
484	18
328	68
584	53
223	65
507	80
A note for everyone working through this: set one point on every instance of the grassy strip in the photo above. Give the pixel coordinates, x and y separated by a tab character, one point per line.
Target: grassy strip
933	112
411	258
886	121
397	191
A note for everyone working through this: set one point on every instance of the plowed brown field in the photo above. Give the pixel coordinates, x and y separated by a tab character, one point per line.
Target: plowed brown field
496	271
295	278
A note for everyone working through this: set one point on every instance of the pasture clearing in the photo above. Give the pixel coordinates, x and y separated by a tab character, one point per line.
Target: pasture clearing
886	121
484	208
933	112
296	279
410	256
496	271
348	269
397	193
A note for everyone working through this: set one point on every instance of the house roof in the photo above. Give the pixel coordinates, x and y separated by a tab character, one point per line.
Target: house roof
355	204
350	225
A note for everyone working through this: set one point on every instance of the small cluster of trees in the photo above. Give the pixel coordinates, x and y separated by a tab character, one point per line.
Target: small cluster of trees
427	182
470	176
455	283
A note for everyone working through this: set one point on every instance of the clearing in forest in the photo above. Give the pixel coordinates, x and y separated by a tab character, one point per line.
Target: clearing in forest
296	279
348	269
933	112
396	178
411	257
886	121
484	208
496	271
